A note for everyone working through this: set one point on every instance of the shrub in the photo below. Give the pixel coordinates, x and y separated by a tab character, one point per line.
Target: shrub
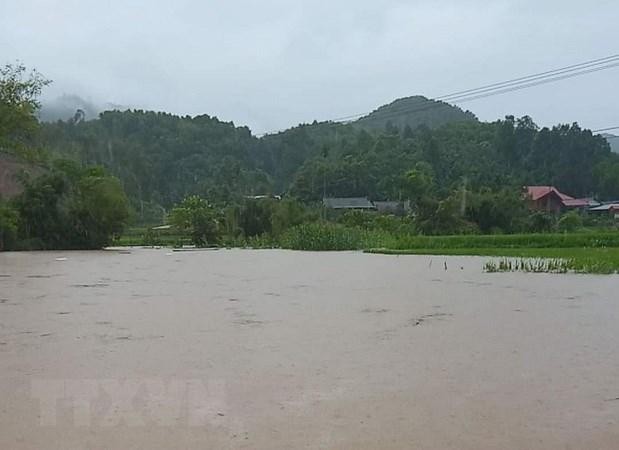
322	236
570	221
199	218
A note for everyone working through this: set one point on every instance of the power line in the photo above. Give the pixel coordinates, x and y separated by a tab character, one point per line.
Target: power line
592	63
539	78
464	99
502	87
605	129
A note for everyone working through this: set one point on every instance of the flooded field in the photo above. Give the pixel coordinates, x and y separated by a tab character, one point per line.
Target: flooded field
280	350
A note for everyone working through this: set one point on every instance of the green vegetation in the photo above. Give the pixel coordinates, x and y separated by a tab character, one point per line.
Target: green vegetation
583	253
542	265
509	241
199	219
8	226
589	262
318	236
409	113
19	103
68	206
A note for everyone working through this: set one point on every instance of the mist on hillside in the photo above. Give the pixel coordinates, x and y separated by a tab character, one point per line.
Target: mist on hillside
65	107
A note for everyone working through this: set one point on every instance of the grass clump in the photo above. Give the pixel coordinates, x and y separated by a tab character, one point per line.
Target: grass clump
321	237
335	237
539	265
597	239
598	260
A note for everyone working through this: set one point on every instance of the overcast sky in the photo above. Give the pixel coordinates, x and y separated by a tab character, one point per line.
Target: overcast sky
271	64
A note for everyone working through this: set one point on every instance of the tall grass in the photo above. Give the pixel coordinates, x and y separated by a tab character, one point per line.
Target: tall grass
589	240
600	260
329	236
553	265
538	265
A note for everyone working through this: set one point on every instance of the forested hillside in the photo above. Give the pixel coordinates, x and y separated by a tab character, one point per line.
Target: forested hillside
161	158
413	112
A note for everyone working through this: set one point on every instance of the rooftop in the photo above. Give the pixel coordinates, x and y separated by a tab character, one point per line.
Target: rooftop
348	203
538	192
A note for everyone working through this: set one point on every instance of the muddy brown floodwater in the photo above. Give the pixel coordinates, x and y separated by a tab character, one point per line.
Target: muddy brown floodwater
152	349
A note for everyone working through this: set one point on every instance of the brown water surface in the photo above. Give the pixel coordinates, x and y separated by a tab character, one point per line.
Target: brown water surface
155	349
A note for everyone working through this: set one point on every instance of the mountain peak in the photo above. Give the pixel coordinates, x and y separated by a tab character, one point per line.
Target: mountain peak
415	111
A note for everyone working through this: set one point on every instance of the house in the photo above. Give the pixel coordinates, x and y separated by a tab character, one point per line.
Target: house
550	199
349	203
395	208
611	209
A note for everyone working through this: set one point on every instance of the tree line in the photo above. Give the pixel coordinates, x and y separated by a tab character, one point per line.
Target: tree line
150	164
161	159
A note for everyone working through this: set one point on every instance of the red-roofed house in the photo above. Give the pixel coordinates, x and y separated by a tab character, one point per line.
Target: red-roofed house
550	199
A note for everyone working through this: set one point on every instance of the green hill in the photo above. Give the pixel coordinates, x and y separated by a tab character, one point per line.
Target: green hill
414	112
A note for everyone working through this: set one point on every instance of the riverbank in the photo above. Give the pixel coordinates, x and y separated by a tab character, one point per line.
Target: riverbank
577	259
586	252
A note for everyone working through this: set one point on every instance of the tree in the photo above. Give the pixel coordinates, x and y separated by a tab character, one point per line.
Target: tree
419	181
607	174
43	206
19	103
66	207
541	222
100	209
255	216
198	217
8	226
570	221
287	214
503	211
442	217
71	208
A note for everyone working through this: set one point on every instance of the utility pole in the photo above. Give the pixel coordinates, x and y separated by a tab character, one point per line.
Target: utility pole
324	192
463	200
325	152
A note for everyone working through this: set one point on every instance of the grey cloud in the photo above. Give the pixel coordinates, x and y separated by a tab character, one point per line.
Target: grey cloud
65	106
274	63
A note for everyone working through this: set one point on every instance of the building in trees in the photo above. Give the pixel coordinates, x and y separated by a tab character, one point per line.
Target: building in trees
550	199
612	209
349	203
395	208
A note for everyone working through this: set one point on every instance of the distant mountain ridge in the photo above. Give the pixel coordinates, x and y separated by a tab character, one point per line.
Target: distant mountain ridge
414	112
613	141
